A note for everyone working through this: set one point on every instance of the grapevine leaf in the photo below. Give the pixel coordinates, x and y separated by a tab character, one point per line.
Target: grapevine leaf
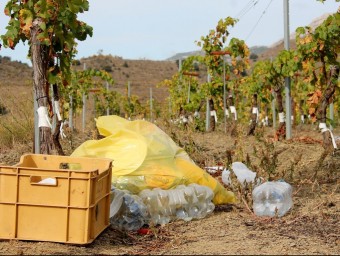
7	10
26	19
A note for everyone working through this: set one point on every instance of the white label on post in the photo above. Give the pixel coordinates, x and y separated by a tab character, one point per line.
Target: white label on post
213	113
282	118
43	119
227	112
184	119
303	118
323	128
61	130
57	110
256	112
233	110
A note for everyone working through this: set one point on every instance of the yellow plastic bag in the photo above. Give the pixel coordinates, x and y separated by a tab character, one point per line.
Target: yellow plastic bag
146	157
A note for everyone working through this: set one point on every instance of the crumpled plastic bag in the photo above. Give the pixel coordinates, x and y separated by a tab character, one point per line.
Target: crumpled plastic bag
145	157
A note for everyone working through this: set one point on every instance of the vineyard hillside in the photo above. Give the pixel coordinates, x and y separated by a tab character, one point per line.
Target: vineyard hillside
142	74
14	72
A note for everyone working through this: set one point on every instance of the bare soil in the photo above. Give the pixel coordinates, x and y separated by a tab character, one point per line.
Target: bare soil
310	227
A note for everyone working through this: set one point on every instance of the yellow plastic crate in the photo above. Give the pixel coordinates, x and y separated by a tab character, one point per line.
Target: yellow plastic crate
55	198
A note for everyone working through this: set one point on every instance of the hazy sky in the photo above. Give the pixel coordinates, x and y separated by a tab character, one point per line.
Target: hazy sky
158	29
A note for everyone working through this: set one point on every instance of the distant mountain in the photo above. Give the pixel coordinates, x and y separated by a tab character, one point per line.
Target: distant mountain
258	49
273	50
183	55
255	49
263	52
314	24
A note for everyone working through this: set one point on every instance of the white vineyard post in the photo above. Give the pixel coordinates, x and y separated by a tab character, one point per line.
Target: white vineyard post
170	112
331	114
129	91
36	127
151	118
84	110
180	74
207	113
274	111
207	116
94	106
287	79
70	113
188	100
54	119
108	109
84	105
129	97
224	97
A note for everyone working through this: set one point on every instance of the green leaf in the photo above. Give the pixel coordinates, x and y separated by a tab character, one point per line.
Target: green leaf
8	9
78	6
42	26
52	79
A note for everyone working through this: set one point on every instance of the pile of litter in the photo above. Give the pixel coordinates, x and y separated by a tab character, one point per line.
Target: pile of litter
155	181
145	157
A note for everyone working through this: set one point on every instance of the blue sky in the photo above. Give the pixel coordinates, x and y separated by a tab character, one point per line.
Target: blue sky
158	29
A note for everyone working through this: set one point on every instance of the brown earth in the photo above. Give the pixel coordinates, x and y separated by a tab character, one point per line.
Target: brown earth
310	227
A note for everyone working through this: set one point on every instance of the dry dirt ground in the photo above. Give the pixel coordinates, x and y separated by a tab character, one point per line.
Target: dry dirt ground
310	227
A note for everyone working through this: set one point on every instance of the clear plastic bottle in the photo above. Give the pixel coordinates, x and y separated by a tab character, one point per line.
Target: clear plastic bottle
272	198
243	174
127	211
182	202
226	177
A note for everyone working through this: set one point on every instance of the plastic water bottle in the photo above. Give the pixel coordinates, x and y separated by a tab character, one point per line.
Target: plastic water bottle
127	211
182	202
272	198
242	173
226	177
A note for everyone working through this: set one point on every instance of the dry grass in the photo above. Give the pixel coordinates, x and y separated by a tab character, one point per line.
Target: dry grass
17	123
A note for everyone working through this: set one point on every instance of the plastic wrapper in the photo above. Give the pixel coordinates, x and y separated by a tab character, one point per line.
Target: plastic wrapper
145	157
